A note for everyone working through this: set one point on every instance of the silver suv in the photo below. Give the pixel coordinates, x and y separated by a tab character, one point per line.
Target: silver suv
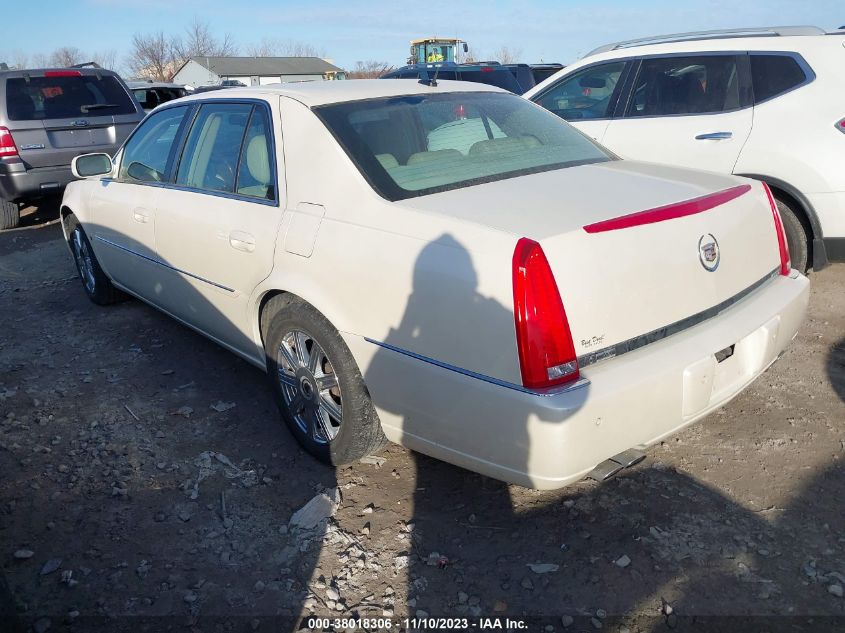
48	117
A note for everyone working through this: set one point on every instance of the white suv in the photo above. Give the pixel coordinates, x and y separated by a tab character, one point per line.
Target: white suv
766	103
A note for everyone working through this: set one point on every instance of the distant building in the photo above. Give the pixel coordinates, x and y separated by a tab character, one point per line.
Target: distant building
254	71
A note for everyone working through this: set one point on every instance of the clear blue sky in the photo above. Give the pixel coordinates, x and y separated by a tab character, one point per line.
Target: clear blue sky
350	31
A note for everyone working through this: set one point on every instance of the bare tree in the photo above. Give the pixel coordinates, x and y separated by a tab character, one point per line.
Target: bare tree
370	69
199	41
20	59
471	55
66	56
507	55
284	48
105	59
40	60
151	56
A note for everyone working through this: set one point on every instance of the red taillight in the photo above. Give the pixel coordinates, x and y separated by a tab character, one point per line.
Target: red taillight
841	126
783	248
543	339
7	143
62	73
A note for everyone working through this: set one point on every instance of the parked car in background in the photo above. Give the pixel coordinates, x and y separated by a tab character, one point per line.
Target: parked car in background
529	75
449	267
152	94
49	116
490	73
765	103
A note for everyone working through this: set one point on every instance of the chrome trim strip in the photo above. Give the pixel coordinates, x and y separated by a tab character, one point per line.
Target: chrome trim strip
552	391
162	264
614	351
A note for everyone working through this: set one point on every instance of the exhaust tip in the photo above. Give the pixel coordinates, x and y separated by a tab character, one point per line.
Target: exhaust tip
609	467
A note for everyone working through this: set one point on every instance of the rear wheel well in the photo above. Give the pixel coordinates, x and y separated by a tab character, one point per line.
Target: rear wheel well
803	210
266	315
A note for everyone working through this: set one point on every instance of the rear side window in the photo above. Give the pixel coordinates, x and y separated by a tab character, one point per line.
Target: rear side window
66	97
255	172
210	158
585	94
772	75
700	84
147	154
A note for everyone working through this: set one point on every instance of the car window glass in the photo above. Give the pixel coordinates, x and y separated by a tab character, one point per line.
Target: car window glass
210	158
586	94
772	75
66	96
698	84
255	172
146	154
416	145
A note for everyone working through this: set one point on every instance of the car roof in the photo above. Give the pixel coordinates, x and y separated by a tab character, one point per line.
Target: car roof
137	85
39	72
317	93
763	39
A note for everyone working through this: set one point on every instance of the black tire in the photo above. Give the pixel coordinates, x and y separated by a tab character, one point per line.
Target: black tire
796	236
357	431
96	284
10	214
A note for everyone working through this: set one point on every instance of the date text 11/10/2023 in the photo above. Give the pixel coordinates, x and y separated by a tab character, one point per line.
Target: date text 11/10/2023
416	623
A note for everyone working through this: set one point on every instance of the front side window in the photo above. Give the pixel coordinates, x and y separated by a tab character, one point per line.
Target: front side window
700	84
586	94
421	144
147	153
210	158
772	75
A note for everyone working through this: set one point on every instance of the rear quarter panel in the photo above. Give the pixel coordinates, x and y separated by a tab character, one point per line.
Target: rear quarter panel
432	285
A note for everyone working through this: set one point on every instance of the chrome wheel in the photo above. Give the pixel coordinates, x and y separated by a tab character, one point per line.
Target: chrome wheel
82	254
309	386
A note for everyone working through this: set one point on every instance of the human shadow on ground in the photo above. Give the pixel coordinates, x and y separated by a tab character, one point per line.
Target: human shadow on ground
652	541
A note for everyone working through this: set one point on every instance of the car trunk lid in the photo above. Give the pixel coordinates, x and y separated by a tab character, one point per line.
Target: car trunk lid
638	250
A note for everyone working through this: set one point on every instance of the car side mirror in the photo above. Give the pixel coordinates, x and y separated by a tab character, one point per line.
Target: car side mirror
592	82
90	165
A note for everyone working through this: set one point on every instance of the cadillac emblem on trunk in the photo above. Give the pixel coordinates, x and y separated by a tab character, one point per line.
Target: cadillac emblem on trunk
708	252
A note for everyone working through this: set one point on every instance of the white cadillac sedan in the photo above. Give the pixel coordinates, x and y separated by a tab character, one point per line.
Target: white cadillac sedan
447	266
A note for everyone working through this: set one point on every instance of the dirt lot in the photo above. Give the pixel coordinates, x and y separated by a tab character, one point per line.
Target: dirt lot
146	474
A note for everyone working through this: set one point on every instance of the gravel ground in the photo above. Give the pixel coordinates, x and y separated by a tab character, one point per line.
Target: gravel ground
147	474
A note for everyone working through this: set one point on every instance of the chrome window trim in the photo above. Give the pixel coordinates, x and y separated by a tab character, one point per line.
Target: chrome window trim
162	264
552	391
195	105
637	342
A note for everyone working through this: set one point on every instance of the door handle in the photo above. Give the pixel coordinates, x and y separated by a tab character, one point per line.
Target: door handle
714	136
242	241
141	215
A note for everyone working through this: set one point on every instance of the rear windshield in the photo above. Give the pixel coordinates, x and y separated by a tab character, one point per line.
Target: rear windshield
416	145
65	97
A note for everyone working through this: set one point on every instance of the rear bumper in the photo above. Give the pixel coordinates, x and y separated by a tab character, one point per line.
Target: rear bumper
633	401
19	183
